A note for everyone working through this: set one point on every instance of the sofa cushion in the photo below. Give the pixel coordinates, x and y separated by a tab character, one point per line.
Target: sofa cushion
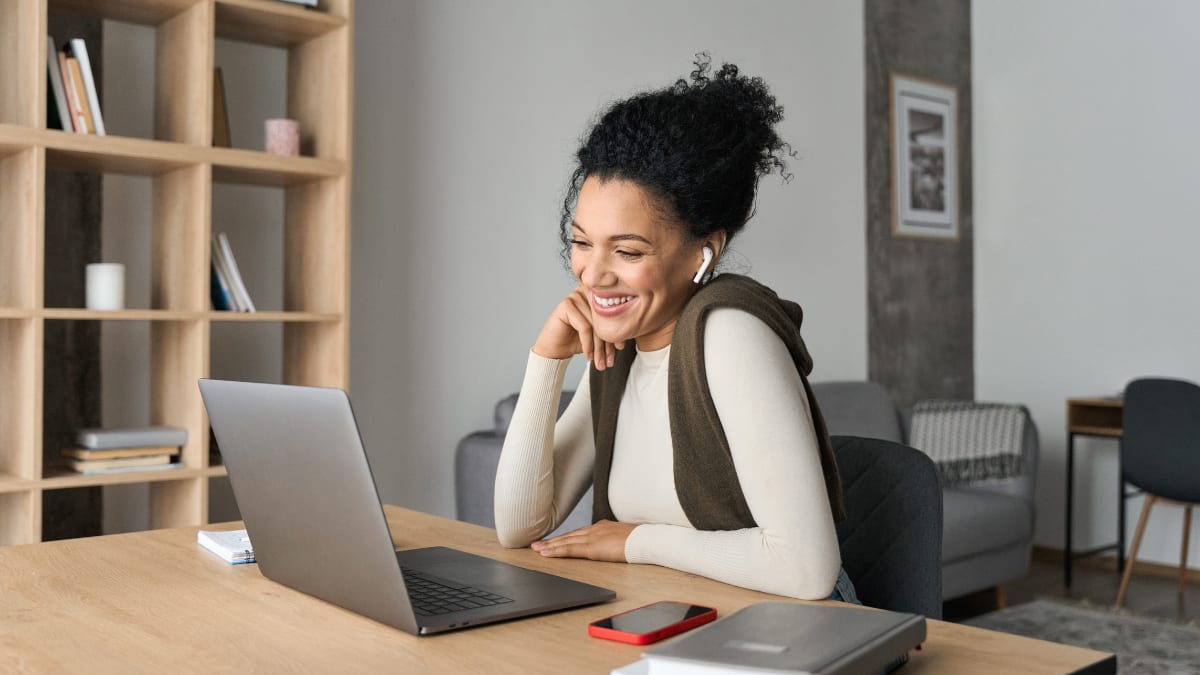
976	521
862	409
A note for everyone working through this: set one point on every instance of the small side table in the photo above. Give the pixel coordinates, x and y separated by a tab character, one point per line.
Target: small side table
1093	417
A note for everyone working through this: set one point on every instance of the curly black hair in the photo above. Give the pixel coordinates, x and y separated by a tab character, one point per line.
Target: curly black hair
696	147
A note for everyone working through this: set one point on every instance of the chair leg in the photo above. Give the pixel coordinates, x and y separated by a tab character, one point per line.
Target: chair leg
1001	598
1187	529
1133	551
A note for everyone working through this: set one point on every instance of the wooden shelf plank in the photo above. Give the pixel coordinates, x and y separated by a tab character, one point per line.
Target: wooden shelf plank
147	12
14	313
231	165
271	23
78	314
58	478
11	483
145	157
280	317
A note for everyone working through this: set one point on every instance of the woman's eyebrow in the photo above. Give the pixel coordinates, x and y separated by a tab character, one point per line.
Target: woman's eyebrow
617	237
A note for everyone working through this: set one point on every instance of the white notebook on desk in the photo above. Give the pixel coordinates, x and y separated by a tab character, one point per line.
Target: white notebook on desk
232	546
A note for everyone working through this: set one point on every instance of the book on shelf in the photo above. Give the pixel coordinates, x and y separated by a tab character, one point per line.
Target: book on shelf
118	453
56	86
91	466
310	4
785	637
233	546
80	54
232	275
74	93
220	267
220	130
222	299
130	437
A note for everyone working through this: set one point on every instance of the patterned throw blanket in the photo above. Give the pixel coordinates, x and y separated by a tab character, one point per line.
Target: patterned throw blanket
970	441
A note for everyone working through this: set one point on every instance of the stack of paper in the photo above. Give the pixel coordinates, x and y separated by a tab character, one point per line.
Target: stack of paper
233	546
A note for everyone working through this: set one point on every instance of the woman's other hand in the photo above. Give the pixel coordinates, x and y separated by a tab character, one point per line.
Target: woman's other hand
568	332
603	540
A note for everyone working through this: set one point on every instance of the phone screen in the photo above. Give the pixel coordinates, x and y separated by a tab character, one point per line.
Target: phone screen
652	617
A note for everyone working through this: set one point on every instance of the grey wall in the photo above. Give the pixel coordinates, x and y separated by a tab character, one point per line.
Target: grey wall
467	114
1087	162
921	296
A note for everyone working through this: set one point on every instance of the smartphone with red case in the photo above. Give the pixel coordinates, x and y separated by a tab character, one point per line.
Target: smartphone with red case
652	623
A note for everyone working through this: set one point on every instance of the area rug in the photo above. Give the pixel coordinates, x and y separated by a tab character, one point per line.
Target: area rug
1143	646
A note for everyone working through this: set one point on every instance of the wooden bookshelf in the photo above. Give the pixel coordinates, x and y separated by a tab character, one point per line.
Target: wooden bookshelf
182	166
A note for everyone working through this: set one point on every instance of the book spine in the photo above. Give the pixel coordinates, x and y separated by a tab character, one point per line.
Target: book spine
56	85
235	274
79	51
219	291
78	119
222	266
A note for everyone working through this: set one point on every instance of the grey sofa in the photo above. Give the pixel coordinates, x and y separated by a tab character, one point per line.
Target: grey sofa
987	528
987	531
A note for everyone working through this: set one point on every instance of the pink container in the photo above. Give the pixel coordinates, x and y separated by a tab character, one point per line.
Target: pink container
282	136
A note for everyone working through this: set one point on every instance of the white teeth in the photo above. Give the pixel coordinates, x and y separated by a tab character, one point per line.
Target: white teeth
613	302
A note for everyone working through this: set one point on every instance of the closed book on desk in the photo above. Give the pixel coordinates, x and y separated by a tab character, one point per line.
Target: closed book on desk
131	437
786	637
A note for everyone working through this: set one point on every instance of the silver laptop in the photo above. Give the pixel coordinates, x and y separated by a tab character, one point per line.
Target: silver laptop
305	491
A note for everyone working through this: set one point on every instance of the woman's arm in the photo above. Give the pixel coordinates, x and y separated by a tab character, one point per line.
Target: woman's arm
760	400
544	467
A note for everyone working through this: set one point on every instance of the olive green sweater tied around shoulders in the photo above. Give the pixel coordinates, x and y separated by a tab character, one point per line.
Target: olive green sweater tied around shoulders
705	478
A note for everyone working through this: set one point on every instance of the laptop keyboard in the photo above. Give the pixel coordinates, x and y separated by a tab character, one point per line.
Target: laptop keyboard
431	595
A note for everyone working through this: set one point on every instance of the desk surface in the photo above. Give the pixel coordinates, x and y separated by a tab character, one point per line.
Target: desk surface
157	602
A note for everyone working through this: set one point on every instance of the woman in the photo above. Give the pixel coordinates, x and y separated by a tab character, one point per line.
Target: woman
694	422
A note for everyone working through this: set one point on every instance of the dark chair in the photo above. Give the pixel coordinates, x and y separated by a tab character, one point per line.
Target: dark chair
1160	454
891	539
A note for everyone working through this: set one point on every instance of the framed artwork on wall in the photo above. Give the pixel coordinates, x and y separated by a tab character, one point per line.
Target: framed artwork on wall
924	119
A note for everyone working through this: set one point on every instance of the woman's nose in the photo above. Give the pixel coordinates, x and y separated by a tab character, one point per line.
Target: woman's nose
597	272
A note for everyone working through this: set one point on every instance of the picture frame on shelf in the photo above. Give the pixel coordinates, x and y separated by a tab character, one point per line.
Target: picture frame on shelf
925	176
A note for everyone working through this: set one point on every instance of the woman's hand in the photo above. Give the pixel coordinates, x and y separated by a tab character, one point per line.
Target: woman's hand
603	540
569	331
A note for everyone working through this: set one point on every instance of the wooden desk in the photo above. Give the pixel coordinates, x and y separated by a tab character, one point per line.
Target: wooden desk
1093	417
156	602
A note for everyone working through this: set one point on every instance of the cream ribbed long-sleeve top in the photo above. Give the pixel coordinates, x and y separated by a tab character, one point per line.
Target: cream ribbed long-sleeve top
546	467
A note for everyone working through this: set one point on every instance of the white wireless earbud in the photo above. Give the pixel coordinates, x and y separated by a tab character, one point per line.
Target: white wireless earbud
708	256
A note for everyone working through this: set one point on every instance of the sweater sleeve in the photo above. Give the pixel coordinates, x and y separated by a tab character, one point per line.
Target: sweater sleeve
545	467
760	400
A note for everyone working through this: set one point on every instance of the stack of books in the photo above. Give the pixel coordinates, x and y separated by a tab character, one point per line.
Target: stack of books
227	291
100	451
73	88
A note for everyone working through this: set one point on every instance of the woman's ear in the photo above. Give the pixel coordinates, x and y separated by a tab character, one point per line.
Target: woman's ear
716	241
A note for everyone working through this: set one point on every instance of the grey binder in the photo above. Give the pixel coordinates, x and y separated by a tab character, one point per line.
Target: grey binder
786	637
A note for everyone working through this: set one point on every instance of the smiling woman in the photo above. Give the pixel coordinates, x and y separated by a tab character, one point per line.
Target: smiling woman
720	463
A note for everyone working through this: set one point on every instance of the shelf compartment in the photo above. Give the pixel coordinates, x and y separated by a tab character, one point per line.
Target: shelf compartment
60	479
273	23
70	314
20	517
145	157
20	397
145	12
21	212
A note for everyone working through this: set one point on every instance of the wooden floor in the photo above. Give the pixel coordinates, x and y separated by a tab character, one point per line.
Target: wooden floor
1095	581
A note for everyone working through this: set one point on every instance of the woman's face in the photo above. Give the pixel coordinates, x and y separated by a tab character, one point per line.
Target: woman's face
637	270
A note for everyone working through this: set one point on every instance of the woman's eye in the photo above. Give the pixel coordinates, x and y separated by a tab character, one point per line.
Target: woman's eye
577	243
629	255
